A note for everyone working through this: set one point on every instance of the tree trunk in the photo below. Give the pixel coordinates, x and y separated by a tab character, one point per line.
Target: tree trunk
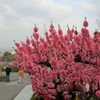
73	96
59	96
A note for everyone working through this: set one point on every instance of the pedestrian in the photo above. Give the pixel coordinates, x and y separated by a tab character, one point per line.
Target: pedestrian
21	75
8	70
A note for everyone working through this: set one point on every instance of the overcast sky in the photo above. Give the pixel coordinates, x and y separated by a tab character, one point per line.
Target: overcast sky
17	17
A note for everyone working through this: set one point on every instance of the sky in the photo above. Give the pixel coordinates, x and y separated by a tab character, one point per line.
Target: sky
17	17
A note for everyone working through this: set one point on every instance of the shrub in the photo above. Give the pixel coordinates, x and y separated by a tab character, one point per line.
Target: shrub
34	97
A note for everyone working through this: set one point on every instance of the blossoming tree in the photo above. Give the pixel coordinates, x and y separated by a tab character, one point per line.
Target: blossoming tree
62	65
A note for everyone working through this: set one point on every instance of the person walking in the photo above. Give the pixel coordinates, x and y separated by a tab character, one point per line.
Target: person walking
21	75
8	70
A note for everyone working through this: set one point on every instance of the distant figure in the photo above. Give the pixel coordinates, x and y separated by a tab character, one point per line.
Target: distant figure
8	70
21	75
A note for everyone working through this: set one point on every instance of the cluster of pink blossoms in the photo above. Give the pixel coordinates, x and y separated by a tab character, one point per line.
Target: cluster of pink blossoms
62	65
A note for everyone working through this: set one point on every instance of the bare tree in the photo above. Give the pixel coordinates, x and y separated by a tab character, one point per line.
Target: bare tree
98	20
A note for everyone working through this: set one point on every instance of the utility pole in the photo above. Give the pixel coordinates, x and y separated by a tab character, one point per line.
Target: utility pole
44	31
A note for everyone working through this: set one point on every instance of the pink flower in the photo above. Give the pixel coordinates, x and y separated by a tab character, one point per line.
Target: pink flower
66	86
18	58
49	95
94	88
36	36
45	44
53	33
85	23
59	88
62	38
98	93
77	79
39	84
96	33
22	48
82	30
44	58
50	30
80	72
46	33
35	29
67	79
51	26
15	63
54	92
38	42
68	31
28	48
70	75
25	57
49	41
28	41
85	90
17	51
34	43
98	62
42	40
67	97
60	32
17	44
50	85
33	56
71	69
23	44
53	98
85	32
87	79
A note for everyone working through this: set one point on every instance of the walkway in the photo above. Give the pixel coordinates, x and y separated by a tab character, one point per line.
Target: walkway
25	94
9	91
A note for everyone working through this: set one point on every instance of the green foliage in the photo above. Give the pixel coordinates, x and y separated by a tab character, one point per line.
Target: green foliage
92	98
2	68
15	70
8	56
95	98
34	97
